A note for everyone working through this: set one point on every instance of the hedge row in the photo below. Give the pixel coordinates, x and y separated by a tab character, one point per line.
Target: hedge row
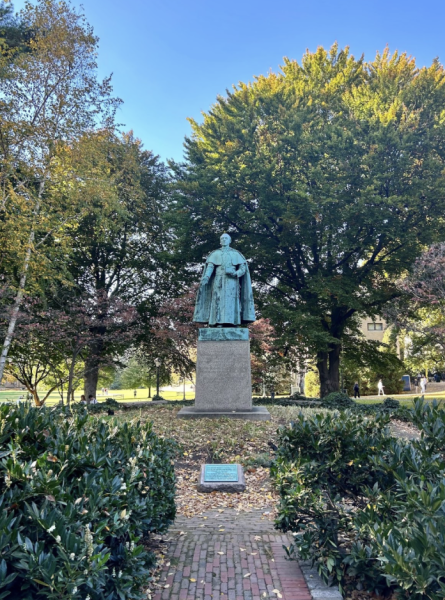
366	507
79	499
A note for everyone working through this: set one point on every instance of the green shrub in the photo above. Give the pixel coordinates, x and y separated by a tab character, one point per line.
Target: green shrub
297	396
103	407
391	404
258	460
157	397
78	498
337	400
365	505
112	403
291	401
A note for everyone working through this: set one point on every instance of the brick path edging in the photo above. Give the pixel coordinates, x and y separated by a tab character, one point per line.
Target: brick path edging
317	587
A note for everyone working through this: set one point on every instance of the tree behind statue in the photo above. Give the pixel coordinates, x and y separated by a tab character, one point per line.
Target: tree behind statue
329	176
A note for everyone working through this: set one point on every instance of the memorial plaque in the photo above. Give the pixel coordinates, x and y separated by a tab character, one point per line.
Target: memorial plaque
221	473
221	478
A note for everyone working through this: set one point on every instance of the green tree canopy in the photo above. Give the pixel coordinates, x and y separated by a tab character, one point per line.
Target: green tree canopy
50	97
14	35
118	248
330	177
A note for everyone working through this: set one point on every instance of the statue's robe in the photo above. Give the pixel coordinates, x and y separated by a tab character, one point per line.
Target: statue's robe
225	299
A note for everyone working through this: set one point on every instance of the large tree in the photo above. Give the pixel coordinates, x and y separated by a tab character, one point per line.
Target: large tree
50	96
119	247
330	176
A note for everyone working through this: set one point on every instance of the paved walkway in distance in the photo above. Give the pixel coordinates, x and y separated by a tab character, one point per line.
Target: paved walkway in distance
229	555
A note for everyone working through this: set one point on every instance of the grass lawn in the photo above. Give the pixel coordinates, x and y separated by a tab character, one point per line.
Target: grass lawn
119	395
142	394
404	399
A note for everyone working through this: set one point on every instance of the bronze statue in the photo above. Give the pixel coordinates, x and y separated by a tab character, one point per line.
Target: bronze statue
225	296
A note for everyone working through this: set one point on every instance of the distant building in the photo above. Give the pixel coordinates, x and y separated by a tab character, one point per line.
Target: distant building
373	329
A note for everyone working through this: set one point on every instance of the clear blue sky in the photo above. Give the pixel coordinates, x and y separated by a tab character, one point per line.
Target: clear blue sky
171	58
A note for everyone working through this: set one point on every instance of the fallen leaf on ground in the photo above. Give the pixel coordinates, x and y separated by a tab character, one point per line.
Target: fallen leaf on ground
247	574
278	593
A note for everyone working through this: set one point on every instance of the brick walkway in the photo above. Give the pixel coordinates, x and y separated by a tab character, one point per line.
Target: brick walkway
229	555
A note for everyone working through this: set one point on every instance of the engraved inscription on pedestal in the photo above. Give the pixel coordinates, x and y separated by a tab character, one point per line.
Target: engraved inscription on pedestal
223	379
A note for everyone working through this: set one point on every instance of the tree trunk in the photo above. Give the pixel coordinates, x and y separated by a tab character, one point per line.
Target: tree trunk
91	378
16	307
35	395
91	373
149	391
70	393
328	365
21	290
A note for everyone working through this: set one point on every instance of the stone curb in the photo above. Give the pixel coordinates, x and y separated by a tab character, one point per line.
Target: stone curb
317	587
143	404
256	413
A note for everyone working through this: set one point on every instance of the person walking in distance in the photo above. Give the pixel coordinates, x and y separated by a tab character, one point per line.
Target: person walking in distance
380	388
423	384
356	390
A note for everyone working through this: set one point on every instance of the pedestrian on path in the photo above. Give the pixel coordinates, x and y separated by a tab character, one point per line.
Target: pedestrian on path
380	388
356	390
423	384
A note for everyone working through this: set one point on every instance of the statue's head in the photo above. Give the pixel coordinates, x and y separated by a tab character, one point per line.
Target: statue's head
225	239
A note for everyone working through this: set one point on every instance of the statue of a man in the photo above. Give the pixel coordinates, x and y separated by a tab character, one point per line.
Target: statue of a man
225	296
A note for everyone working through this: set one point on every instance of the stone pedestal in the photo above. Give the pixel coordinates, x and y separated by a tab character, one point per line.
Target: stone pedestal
223	379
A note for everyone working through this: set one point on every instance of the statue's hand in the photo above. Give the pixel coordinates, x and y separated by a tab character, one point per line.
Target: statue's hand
205	280
231	271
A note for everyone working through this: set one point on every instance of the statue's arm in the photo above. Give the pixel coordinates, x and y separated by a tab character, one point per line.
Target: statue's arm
207	273
241	270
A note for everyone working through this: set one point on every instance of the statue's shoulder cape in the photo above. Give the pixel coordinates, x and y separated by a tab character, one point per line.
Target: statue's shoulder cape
215	257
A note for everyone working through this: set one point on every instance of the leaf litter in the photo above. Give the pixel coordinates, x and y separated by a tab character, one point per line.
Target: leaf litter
220	441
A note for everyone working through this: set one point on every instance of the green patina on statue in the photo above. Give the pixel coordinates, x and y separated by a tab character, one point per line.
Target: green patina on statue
225	296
